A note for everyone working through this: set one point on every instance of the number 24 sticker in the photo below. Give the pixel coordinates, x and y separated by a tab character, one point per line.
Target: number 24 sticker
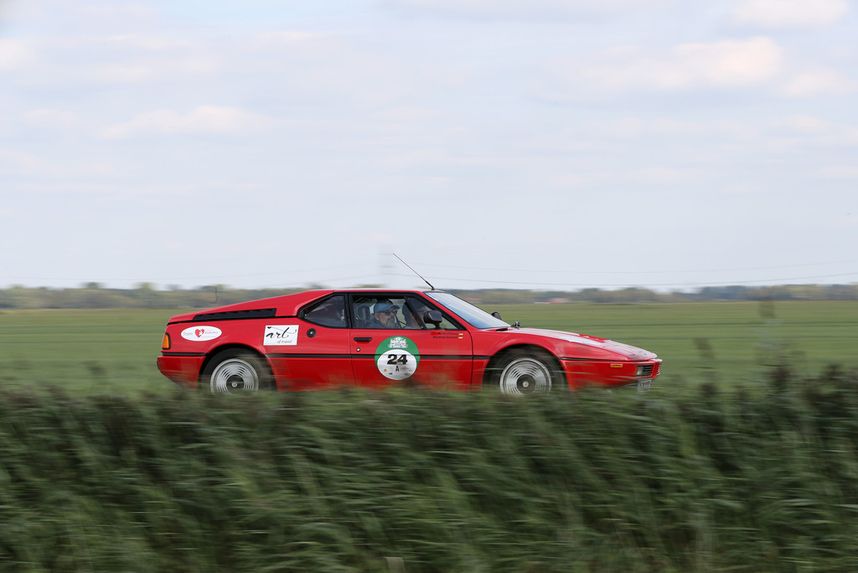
397	365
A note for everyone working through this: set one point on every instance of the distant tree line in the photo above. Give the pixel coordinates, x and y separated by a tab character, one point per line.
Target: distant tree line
146	295
643	295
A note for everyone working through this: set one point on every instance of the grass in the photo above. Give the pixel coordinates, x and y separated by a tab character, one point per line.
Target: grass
725	342
114	350
702	481
111	350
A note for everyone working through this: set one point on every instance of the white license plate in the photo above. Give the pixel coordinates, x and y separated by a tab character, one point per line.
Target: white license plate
644	385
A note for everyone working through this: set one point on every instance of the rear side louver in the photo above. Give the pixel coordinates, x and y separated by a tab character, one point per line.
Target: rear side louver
237	314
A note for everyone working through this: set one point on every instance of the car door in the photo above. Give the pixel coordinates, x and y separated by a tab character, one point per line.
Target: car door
402	348
312	351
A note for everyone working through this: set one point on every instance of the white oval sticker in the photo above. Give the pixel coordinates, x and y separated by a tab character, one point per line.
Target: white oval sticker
201	333
397	364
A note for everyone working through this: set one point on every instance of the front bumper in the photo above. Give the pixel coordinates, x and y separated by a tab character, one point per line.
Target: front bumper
581	373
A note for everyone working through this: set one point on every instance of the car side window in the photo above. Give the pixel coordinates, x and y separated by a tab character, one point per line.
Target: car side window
329	312
396	312
419	308
383	312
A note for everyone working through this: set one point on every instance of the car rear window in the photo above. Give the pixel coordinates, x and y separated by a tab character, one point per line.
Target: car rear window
328	312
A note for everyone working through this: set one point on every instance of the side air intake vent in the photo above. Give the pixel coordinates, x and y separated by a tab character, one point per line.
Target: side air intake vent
645	370
237	314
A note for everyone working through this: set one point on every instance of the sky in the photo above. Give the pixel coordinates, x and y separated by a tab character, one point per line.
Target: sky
556	144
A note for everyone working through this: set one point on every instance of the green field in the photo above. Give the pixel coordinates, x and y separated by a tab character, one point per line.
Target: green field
725	341
114	350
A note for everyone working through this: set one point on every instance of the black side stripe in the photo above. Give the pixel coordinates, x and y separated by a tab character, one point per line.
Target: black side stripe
571	359
288	355
373	356
168	353
195	319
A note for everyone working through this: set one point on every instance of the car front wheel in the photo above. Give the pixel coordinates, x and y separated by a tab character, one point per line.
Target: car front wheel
236	372
521	373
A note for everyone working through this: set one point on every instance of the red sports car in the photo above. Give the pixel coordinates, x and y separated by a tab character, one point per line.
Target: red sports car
376	338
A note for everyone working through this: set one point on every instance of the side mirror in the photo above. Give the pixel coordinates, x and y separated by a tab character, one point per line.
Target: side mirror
497	315
433	317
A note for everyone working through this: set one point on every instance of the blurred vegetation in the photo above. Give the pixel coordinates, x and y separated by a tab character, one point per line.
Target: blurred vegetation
146	295
113	350
350	481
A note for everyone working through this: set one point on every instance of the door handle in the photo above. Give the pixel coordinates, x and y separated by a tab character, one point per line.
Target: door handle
363	338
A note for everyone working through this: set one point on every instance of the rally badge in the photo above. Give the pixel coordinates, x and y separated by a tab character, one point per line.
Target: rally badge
397	358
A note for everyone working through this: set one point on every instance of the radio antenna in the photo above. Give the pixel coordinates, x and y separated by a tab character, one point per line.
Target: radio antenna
413	271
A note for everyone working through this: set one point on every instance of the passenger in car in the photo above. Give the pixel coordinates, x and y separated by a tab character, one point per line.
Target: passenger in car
384	315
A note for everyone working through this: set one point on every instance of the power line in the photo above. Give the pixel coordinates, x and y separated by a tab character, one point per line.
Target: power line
642	285
643	272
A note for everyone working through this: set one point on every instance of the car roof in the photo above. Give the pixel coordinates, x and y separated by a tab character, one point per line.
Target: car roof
287	304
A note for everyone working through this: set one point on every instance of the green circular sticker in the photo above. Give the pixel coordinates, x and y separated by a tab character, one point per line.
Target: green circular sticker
397	357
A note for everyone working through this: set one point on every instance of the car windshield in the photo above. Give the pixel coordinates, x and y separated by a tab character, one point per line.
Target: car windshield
468	312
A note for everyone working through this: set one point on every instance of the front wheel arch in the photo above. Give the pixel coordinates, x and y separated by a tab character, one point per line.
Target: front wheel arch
497	362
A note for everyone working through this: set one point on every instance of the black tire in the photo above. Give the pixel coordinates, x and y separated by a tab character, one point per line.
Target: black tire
236	371
525	371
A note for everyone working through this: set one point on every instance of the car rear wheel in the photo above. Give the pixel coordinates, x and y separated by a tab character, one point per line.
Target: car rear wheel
236	372
524	372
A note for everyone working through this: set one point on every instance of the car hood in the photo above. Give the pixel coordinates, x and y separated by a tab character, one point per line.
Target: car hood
626	351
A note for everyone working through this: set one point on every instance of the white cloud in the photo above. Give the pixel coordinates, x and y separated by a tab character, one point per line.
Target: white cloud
661	175
731	62
806	124
14	162
13	54
843	172
804	131
289	39
132	41
112	11
724	64
820	82
51	118
516	9
790	13
84	17
636	127
204	120
148	70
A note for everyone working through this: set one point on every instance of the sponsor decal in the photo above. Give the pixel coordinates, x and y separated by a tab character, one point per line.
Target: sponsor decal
280	335
397	358
444	334
201	333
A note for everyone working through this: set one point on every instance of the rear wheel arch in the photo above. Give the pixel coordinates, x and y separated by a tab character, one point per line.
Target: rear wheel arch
216	354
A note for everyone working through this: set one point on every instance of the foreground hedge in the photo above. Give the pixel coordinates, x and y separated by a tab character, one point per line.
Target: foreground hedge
346	481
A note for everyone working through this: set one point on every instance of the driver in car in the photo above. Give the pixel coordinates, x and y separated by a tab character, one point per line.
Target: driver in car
384	315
